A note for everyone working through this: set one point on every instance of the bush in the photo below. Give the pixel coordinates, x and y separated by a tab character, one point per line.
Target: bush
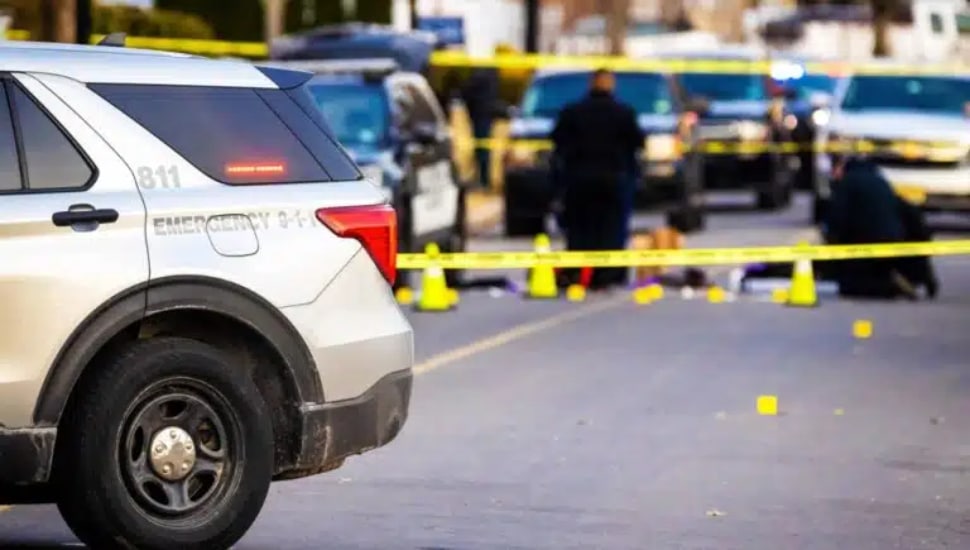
154	23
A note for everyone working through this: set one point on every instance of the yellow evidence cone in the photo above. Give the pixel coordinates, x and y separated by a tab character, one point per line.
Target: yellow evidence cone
655	291
802	291
435	294
542	278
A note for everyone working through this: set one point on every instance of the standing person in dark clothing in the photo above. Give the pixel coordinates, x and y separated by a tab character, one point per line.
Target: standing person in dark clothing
596	142
864	210
480	94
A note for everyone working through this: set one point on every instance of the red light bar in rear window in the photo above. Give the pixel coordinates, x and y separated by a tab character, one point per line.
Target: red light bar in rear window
241	168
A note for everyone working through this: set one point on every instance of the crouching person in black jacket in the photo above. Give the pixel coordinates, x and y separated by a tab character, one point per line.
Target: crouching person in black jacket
866	210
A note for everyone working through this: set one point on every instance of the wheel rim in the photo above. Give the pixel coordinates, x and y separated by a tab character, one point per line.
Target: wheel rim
179	447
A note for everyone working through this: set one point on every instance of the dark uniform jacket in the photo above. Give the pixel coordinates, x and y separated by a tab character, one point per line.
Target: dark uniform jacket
864	207
596	142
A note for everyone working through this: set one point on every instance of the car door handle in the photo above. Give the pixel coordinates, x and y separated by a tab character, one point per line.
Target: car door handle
84	214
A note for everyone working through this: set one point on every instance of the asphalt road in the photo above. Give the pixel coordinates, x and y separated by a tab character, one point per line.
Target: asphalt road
608	425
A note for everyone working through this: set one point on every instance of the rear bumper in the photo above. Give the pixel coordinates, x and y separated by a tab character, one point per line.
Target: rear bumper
334	431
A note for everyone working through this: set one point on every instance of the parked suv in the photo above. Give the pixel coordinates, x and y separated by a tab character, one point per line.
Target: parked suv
196	293
391	124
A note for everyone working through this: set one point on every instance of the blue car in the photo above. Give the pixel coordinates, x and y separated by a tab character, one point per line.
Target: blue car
527	163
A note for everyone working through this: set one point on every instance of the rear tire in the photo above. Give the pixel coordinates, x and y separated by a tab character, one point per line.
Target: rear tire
153	406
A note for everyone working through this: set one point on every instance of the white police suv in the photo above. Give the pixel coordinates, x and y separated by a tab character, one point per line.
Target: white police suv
195	293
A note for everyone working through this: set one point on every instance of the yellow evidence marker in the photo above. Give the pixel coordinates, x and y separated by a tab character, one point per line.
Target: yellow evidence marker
642	296
767	405
862	329
779	295
405	296
715	295
576	293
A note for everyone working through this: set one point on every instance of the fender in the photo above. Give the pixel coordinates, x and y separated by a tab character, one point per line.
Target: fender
172	293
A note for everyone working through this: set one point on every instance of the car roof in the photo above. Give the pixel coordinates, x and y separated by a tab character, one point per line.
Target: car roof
118	65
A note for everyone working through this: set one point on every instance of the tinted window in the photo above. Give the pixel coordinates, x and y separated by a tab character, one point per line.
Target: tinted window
9	162
51	160
942	95
358	114
725	87
230	134
645	93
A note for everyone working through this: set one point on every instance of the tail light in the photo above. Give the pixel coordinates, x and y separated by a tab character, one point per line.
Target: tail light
375	227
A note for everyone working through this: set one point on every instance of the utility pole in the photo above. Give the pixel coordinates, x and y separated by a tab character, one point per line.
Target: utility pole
83	27
532	26
413	11
617	22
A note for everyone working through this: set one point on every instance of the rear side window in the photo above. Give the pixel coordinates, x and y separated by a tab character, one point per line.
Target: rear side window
52	161
231	134
9	161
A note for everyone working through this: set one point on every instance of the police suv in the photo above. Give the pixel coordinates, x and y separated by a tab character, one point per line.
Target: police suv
195	293
391	124
916	128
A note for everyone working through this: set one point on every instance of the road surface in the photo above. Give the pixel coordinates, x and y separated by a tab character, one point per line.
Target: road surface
605	425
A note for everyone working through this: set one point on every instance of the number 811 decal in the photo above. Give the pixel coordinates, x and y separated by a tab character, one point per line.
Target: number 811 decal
158	177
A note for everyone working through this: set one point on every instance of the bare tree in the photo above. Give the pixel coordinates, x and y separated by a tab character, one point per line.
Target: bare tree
881	19
617	22
58	21
274	12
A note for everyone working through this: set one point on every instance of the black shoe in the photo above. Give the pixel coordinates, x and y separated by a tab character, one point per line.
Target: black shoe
932	288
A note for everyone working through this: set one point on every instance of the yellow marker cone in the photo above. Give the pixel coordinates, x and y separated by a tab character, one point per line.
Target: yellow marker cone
655	291
779	295
767	405
576	293
404	296
802	292
435	294
641	295
862	329
542	278
715	295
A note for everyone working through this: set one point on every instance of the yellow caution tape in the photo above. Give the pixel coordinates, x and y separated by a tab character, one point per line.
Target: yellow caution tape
939	152
446	58
712	66
692	257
